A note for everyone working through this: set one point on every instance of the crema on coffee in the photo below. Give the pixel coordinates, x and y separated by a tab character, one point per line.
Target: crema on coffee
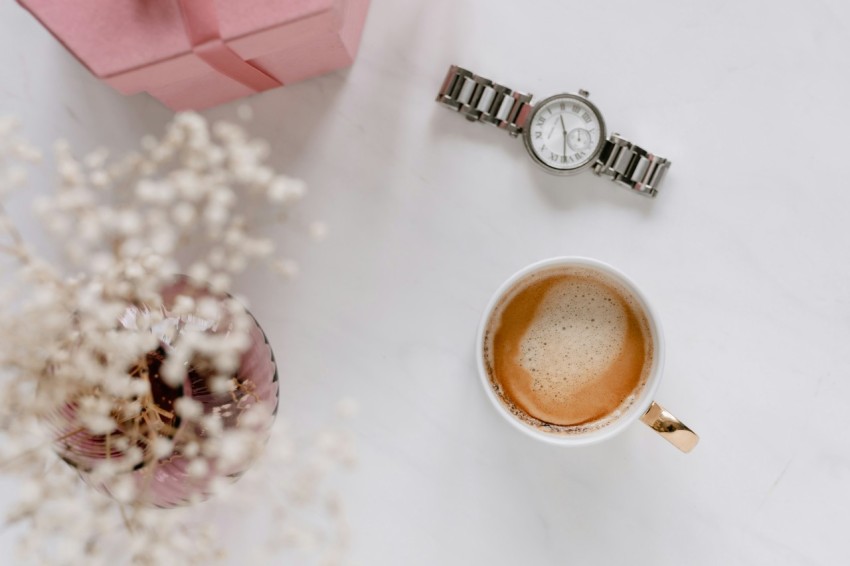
568	349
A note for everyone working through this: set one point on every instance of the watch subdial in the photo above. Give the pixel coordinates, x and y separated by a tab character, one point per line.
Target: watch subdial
579	139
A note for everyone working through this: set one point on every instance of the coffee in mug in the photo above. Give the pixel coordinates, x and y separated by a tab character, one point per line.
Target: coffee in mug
571	353
568	349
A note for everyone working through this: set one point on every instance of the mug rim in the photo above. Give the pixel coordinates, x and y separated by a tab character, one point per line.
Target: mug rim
634	412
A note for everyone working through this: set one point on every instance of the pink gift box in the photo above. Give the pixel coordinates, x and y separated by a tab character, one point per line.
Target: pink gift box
193	54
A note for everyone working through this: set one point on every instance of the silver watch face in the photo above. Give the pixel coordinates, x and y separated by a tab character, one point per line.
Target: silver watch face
564	133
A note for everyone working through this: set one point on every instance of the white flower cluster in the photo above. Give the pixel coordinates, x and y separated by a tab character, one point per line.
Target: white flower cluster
130	365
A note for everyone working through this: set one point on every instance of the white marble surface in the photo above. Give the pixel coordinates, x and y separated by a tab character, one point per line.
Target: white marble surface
745	255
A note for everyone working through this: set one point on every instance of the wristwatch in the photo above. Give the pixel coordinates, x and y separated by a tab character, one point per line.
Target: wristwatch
565	133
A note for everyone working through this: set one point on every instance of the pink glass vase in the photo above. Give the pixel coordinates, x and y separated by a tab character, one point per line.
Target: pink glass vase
167	482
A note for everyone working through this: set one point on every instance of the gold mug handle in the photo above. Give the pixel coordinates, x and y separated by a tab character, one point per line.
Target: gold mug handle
670	428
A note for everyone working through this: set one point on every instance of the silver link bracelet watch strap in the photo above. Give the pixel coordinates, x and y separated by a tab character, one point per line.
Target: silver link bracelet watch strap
622	161
480	99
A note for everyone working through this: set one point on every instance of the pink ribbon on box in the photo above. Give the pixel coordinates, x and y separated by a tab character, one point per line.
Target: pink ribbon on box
200	18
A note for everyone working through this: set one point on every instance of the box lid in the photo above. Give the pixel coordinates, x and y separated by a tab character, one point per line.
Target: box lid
132	37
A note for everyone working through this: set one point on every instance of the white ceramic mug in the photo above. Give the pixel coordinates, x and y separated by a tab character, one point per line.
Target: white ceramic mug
644	408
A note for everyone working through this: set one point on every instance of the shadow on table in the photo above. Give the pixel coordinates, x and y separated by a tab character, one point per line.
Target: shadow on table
566	192
561	192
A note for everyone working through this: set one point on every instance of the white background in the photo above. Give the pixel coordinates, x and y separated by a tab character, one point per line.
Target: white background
744	254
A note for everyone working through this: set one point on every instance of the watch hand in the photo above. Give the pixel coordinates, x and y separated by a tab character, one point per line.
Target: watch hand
564	129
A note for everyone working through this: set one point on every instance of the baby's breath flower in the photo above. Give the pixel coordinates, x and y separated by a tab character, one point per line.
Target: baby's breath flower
174	369
191	449
123	489
318	230
189	409
284	190
133	374
162	447
198	468
285	267
222	384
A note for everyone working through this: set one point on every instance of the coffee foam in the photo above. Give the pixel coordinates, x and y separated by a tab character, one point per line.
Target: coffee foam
576	334
576	349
